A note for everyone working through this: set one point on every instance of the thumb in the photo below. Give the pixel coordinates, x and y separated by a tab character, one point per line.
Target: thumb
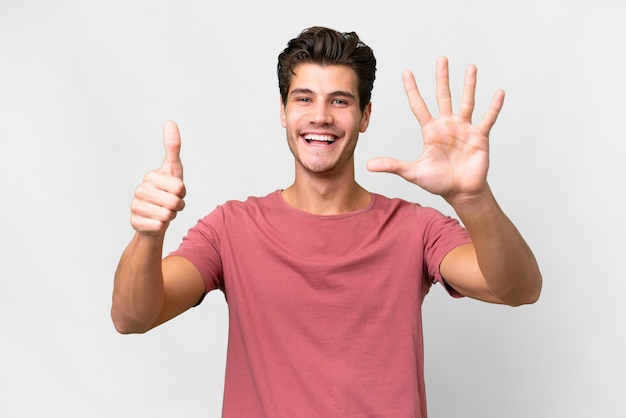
171	139
404	169
386	165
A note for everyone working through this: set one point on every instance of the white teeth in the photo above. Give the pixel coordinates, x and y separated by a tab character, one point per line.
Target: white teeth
325	138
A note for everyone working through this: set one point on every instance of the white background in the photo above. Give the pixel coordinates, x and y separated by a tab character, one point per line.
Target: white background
85	88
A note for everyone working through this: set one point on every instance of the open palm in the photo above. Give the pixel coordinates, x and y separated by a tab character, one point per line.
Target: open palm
455	159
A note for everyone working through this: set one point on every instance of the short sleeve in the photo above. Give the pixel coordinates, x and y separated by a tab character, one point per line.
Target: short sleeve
441	235
201	246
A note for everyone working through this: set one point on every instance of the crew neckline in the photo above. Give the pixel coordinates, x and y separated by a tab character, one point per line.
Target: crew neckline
369	207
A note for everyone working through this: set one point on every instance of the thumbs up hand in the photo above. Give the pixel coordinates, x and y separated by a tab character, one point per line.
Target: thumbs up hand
160	196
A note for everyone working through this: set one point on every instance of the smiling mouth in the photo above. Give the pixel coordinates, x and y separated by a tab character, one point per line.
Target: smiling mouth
319	139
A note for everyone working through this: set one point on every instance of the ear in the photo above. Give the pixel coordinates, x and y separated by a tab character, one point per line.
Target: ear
365	118
283	117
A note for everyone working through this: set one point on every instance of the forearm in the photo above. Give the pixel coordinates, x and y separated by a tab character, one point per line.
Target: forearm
505	260
138	287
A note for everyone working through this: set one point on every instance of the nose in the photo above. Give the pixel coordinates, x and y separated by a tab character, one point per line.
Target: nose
321	113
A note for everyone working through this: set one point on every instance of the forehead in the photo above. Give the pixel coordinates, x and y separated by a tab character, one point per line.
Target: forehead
324	79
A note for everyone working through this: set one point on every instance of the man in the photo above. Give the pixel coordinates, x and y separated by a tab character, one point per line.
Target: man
325	280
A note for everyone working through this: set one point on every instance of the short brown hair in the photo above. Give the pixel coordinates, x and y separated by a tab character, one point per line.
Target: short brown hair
323	46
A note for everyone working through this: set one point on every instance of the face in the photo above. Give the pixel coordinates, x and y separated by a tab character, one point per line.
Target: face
322	118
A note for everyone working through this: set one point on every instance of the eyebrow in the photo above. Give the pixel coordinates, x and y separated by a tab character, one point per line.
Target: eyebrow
340	93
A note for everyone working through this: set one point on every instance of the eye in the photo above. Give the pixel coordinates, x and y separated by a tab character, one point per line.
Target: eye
340	102
302	100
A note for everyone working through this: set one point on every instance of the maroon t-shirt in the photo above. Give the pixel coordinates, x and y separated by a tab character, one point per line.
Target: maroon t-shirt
324	311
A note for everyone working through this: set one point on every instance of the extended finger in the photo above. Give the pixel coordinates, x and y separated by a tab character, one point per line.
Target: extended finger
390	165
492	113
469	91
444	99
416	102
172	164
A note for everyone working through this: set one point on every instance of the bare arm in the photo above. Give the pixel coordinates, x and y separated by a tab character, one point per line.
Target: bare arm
498	267
147	290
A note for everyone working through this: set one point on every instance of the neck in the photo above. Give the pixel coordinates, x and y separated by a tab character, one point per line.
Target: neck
323	196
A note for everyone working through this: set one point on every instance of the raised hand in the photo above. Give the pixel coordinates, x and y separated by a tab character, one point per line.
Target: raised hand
455	157
160	196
